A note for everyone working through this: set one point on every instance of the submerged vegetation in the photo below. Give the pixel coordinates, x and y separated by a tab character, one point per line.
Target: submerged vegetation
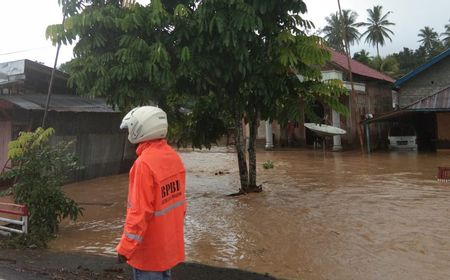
268	164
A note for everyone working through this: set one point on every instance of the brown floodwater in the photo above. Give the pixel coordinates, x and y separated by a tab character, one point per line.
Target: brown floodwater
320	216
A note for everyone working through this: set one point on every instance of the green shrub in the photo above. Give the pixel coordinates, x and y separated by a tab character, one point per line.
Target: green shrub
268	164
40	170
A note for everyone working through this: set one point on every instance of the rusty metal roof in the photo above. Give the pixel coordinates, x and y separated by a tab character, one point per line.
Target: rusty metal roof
59	102
439	101
358	68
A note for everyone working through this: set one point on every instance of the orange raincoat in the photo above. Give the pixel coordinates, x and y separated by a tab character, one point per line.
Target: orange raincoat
153	237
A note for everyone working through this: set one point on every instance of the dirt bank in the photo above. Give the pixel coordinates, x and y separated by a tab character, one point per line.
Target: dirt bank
46	264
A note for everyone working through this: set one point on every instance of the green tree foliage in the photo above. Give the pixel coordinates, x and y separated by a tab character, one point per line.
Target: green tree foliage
362	56
429	39
65	67
334	30
40	170
387	65
253	73
132	57
224	60
409	59
377	27
446	35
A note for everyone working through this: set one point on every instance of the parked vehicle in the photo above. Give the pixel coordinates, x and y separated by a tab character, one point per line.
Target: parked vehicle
402	137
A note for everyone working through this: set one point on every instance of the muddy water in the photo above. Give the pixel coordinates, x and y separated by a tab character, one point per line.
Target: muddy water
332	216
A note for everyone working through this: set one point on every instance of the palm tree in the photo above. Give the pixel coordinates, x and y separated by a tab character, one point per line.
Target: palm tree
334	29
446	34
377	30
429	38
362	56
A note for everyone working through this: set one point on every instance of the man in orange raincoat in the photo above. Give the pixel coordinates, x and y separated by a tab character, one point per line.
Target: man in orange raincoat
153	238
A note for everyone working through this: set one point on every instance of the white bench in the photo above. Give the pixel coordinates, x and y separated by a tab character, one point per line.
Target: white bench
8	212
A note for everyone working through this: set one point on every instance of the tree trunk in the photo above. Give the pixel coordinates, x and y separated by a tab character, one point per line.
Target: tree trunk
253	122
378	51
240	147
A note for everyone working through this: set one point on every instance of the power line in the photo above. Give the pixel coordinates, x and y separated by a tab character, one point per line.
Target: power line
26	50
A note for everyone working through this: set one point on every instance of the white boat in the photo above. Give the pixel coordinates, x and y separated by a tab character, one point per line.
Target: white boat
325	130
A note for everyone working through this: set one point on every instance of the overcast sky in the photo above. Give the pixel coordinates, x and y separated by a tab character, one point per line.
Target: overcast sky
409	17
23	24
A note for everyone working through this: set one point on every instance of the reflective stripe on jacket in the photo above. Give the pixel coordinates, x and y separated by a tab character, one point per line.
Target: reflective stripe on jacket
153	237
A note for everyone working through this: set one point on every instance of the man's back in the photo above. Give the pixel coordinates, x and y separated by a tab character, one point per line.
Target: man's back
157	181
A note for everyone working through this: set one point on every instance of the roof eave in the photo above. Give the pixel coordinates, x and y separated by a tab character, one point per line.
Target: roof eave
354	73
422	68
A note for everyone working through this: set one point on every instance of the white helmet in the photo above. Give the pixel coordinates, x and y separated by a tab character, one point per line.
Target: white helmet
145	123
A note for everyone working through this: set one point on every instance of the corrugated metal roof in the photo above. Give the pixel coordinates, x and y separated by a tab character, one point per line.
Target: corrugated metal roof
357	67
437	102
59	102
422	67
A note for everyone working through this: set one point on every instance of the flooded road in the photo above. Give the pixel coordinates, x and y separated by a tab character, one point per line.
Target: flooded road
332	216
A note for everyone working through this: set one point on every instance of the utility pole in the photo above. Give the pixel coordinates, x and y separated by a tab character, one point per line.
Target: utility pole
50	85
355	110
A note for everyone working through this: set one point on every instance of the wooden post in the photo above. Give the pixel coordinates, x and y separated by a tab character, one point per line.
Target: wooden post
367	137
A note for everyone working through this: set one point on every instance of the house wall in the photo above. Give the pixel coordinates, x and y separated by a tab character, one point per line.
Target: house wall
374	97
380	102
379	97
375	100
6	112
261	133
98	143
5	137
429	81
443	130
